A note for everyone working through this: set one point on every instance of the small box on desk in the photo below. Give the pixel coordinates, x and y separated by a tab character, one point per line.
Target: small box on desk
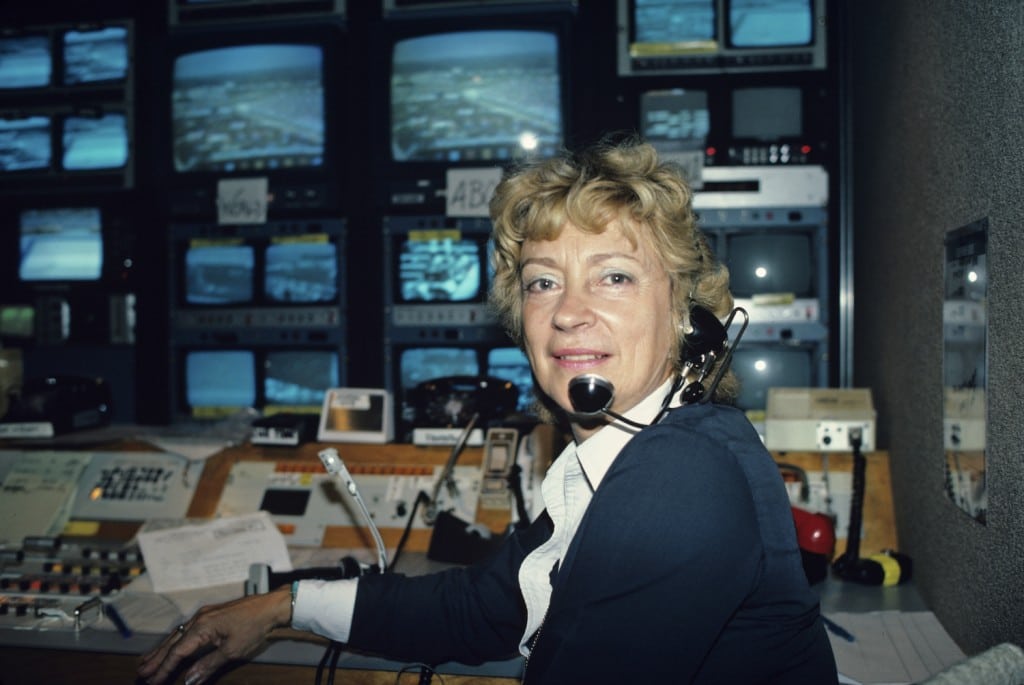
819	419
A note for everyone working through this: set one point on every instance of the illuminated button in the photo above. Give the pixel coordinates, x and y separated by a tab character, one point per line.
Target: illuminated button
286	528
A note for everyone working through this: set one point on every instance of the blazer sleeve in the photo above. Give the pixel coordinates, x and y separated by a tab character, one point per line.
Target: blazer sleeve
470	615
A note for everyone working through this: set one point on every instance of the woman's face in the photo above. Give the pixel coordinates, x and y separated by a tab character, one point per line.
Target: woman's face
593	303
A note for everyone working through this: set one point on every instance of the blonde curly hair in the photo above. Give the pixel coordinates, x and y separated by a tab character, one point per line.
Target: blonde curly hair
620	180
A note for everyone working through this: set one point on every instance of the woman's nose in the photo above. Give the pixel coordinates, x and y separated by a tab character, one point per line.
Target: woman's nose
574	310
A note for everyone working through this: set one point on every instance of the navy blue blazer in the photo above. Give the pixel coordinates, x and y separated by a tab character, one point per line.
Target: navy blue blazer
685	569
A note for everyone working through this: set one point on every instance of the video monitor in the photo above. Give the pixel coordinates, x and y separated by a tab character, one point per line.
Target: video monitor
299	378
675	22
95	142
675	119
219	273
770	23
420	364
439	266
220	379
26	61
300	271
771	262
761	367
61	244
95	55
767	113
511	364
25	143
482	95
248	107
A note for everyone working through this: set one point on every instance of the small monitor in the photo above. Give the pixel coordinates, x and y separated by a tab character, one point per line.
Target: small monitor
95	55
61	244
220	379
483	96
675	119
439	266
767	113
770	23
301	271
511	364
761	367
426	363
770	262
25	143
676	25
26	61
252	107
219	273
95	142
299	378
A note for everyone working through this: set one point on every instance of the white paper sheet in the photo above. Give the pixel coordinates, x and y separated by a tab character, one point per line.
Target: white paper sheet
216	552
892	647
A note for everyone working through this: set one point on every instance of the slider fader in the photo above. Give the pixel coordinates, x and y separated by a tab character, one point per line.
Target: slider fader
52	583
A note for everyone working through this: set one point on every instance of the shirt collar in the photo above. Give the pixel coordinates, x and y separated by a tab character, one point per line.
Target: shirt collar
597	452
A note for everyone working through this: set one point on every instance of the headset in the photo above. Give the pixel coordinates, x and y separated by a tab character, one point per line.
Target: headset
705	342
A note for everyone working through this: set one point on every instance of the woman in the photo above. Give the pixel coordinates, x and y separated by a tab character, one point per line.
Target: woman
664	554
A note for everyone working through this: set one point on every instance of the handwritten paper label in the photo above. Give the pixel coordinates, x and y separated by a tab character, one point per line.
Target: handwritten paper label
469	191
242	201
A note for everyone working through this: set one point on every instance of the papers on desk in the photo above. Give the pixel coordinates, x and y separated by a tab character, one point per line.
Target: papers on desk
37	493
212	553
892	647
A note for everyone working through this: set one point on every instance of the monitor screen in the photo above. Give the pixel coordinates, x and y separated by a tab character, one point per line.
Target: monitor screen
220	378
95	56
761	367
299	377
25	143
301	271
61	244
99	142
439	266
511	364
476	96
420	364
219	273
25	62
770	262
767	113
770	23
677	23
251	107
675	119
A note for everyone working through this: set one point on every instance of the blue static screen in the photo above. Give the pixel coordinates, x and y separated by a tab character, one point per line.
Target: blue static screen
476	96
770	23
427	363
61	244
220	378
760	368
301	272
219	274
511	364
25	62
299	377
248	108
673	21
95	142
25	143
439	270
95	56
770	262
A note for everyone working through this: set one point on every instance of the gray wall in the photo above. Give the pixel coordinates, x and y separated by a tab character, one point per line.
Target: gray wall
938	141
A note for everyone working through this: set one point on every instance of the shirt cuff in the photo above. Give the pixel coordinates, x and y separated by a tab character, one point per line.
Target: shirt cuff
325	607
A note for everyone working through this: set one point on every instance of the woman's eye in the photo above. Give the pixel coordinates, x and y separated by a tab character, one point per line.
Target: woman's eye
618	279
538	285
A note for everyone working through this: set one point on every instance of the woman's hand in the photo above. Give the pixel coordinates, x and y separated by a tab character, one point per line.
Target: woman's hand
218	634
